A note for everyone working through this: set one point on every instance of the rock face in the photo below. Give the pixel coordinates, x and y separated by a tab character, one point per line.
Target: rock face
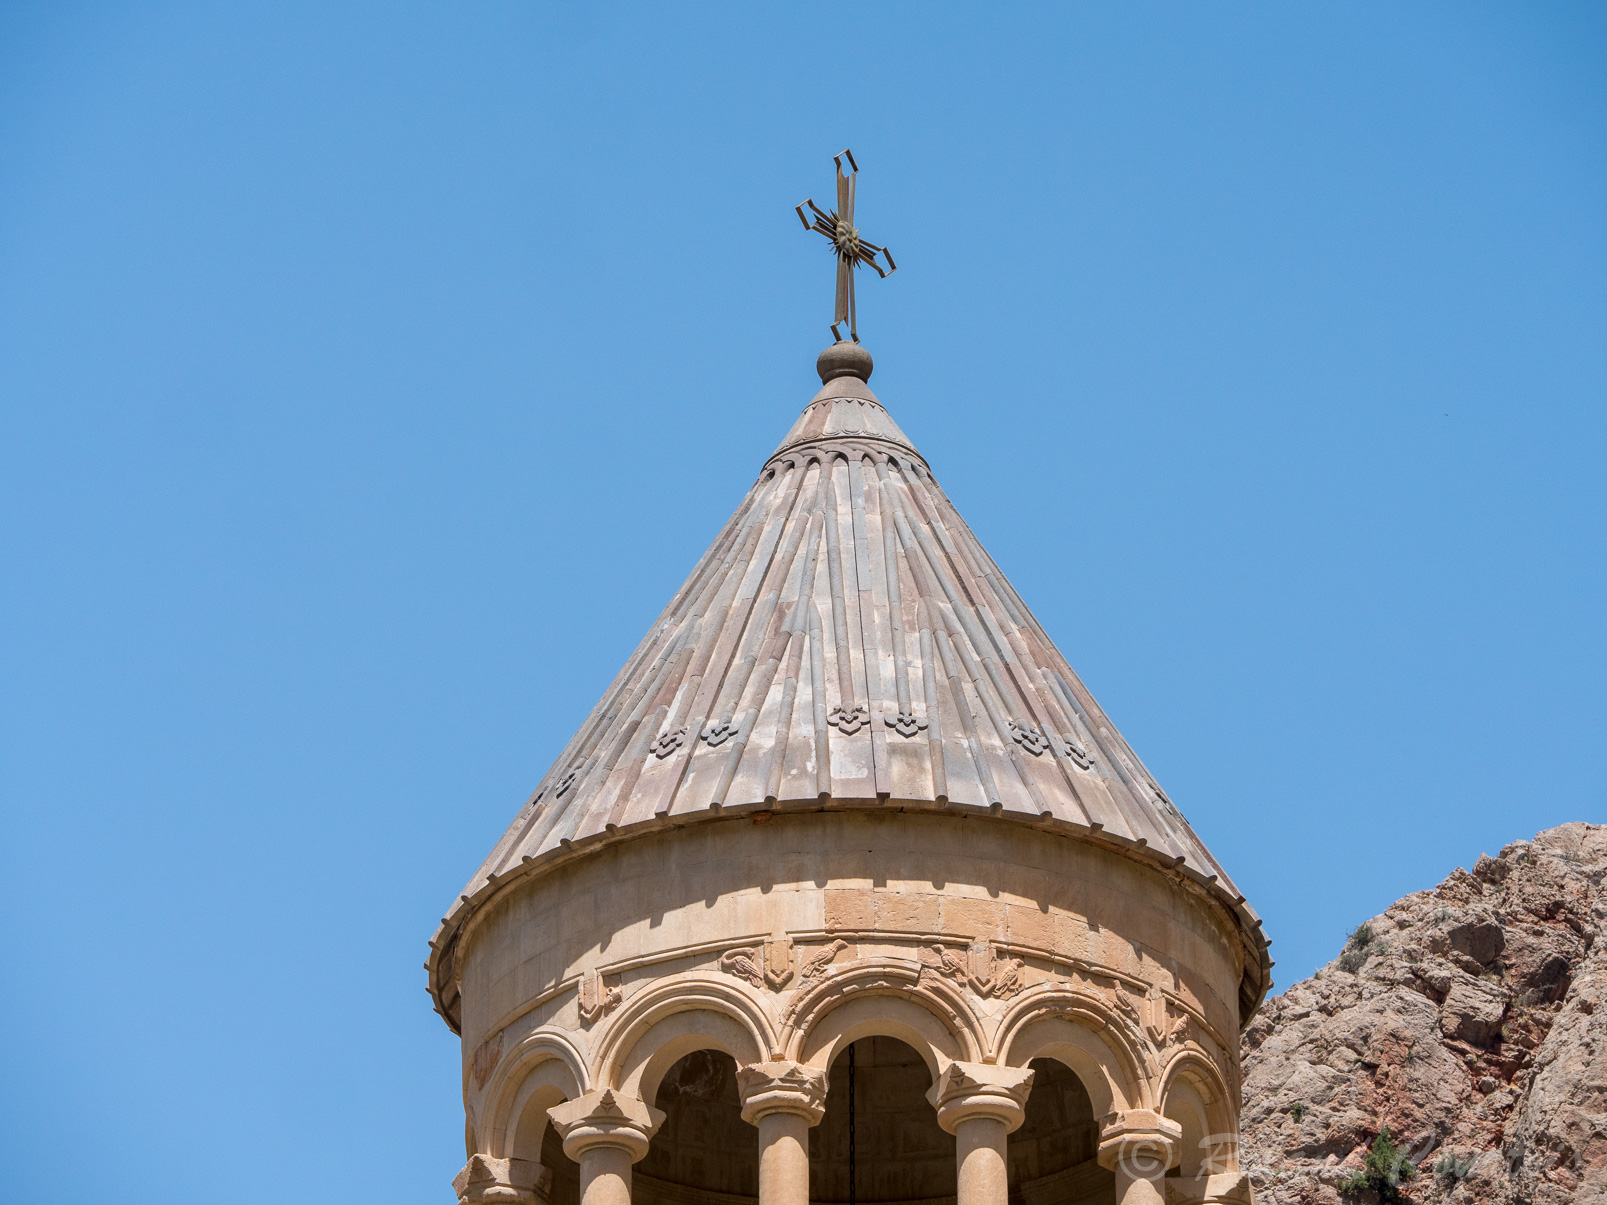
1468	1019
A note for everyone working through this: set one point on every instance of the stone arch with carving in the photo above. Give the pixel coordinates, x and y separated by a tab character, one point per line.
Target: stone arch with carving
541	1071
886	996
1194	1094
672	1018
1080	1030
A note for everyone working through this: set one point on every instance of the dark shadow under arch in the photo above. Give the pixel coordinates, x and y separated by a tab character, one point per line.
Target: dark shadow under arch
704	1151
565	1186
1052	1154
903	1155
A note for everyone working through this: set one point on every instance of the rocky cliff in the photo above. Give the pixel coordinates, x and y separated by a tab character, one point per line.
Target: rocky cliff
1469	1020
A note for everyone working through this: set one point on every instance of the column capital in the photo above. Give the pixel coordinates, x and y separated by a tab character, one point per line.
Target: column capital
485	1180
782	1087
606	1118
1140	1142
966	1090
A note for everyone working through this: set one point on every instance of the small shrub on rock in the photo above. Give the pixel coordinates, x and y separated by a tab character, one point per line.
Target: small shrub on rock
1384	1169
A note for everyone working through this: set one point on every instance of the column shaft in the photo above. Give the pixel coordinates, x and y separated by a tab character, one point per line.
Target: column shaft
605	1176
979	1144
1133	1189
783	1159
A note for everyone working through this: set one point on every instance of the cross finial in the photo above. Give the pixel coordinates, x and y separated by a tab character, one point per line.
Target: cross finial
838	226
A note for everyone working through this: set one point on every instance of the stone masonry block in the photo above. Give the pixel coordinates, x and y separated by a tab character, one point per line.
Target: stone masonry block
964	917
848	908
1031	927
907	911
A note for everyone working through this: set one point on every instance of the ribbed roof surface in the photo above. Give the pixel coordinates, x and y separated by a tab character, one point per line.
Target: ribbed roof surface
847	639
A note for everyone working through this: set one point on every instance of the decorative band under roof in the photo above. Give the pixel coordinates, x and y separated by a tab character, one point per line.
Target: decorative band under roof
849	438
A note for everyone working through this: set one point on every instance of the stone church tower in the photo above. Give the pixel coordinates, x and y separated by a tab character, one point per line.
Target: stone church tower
847	891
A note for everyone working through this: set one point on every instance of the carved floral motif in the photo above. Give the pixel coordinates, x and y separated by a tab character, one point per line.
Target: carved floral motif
718	734
905	724
849	720
668	742
1077	753
1029	736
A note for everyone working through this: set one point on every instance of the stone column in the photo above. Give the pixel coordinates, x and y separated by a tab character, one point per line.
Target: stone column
980	1104
783	1100
1139	1146
605	1132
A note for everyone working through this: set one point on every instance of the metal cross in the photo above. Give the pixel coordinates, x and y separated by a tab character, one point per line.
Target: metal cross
838	226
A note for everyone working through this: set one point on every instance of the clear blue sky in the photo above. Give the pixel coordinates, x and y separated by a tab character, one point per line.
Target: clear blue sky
374	373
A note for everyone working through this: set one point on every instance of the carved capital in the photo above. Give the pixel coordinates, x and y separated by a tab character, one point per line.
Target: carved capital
781	1088
1139	1142
606	1118
488	1181
967	1090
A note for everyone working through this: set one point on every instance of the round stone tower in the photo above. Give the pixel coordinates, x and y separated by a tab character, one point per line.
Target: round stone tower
849	891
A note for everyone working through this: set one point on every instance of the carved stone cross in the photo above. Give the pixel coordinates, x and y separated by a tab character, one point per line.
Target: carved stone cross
838	226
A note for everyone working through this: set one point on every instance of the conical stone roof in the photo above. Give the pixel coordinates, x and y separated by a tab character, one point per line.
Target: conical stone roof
846	642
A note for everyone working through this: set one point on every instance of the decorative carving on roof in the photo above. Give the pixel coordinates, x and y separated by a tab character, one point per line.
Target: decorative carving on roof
718	733
1077	753
1029	736
904	723
849	720
668	742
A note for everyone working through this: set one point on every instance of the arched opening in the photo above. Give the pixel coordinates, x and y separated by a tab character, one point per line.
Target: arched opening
1052	1154
704	1151
901	1154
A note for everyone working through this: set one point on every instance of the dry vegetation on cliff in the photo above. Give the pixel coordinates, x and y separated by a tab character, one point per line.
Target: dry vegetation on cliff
1468	1020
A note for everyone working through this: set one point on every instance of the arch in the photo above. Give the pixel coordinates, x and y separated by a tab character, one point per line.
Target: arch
1079	1030
1194	1095
538	1073
1184	1106
674	1017
885	996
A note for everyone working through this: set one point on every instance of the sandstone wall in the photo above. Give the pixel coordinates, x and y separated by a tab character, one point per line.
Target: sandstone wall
885	881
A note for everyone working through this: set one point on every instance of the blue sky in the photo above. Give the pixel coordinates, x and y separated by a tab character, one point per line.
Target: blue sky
373	374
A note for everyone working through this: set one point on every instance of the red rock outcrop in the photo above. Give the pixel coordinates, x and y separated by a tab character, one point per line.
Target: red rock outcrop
1468	1019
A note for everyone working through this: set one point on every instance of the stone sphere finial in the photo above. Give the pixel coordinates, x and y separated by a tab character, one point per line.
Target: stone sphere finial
844	359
